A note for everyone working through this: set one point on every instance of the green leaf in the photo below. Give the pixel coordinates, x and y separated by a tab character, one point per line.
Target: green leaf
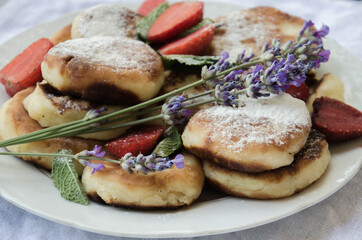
174	60
170	144
143	25
65	178
204	22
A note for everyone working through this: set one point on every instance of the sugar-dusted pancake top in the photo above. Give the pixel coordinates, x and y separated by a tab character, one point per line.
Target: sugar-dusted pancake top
117	53
111	70
263	134
105	20
264	121
251	28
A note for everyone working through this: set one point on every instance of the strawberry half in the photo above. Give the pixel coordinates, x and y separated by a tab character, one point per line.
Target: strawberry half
336	120
301	92
194	44
175	20
24	70
148	5
142	141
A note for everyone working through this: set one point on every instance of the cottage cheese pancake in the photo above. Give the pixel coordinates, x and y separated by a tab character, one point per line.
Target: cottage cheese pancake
309	165
251	28
263	134
105	20
167	189
49	108
15	121
109	70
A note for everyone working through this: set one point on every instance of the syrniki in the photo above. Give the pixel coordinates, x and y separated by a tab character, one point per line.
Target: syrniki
49	107
107	70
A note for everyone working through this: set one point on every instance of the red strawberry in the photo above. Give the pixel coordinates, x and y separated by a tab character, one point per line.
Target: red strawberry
142	141
301	92
148	5
175	20
194	44
336	120
24	70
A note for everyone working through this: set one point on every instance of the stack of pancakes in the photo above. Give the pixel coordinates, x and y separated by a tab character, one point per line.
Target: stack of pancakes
265	149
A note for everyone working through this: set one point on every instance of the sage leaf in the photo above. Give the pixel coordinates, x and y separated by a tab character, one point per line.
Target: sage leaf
204	22
66	179
143	25
170	144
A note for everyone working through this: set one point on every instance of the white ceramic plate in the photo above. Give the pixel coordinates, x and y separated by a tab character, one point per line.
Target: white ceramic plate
29	188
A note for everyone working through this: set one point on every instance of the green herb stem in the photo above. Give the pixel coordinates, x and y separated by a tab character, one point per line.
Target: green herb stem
69	129
58	155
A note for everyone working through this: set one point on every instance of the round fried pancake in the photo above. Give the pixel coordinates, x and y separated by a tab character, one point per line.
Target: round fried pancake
15	121
49	108
263	134
309	165
105	20
108	70
167	189
251	28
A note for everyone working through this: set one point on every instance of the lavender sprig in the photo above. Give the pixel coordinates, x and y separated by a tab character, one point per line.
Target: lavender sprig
279	66
150	163
140	163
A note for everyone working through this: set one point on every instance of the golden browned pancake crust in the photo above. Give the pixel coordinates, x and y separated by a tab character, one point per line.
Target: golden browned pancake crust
171	188
308	166
15	121
49	108
107	70
263	134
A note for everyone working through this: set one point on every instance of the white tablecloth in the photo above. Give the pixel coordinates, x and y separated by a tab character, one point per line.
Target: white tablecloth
338	217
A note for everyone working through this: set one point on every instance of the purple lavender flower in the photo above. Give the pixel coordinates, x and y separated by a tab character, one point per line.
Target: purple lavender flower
307	24
174	111
224	57
95	152
224	94
254	90
323	56
323	32
232	75
178	161
95	166
150	163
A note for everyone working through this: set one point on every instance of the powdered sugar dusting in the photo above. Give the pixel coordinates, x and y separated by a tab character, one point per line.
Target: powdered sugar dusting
267	120
118	53
241	30
106	20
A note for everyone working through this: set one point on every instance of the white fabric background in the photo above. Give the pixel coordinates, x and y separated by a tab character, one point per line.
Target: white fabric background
338	217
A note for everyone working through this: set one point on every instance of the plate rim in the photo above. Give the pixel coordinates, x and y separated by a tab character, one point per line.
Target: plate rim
9	198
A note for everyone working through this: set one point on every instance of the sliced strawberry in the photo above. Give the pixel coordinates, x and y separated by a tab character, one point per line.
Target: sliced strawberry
301	92
194	44
24	70
175	20
142	141
336	120
148	5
